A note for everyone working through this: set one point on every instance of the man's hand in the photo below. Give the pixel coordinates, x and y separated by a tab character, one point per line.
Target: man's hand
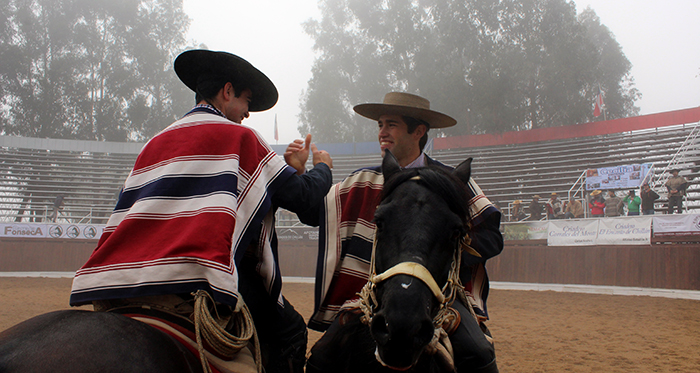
297	154
321	156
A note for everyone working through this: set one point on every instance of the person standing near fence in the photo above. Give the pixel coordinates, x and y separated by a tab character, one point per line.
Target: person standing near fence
648	198
633	202
57	207
613	205
536	208
574	209
597	204
676	190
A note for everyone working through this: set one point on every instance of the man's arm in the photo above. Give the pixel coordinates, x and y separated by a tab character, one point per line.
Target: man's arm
301	193
486	240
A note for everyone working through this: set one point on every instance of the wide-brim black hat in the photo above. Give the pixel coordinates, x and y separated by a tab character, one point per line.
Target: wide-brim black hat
194	64
400	103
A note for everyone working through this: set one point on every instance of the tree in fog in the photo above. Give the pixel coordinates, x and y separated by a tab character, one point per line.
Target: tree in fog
90	69
493	65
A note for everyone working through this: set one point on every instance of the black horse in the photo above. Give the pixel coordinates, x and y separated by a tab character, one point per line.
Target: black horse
84	341
421	222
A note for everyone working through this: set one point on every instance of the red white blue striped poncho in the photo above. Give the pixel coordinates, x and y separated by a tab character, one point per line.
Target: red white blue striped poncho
198	194
346	234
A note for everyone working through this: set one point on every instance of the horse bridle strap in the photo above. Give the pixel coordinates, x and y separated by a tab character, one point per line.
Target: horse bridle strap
416	270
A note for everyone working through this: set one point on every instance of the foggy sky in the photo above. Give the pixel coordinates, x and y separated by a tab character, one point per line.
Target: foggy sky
661	40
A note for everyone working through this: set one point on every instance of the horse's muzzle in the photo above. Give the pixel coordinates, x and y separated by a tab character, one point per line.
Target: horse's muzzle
400	342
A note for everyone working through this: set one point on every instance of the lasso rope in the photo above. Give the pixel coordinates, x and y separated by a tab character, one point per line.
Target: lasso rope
221	341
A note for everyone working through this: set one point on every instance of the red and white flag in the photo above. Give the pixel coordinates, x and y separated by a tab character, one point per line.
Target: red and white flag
598	104
276	134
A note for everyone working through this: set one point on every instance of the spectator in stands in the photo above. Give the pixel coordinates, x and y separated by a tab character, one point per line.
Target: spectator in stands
574	209
633	202
57	207
648	198
676	186
403	122
202	194
597	204
536	208
517	214
613	205
555	209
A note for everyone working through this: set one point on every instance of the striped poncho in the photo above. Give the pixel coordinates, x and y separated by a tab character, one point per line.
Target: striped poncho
346	234
198	195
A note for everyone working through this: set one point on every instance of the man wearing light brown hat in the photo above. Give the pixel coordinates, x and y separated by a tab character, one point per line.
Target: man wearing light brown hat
403	122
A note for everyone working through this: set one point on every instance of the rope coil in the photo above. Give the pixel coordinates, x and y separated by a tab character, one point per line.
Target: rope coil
222	342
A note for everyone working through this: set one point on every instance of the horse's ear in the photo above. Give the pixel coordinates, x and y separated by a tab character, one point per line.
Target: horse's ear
390	165
464	170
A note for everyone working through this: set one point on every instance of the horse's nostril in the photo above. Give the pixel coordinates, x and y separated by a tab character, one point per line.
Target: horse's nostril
380	329
425	334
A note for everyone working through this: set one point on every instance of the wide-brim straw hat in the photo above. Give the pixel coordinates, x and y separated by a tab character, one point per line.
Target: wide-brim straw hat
517	202
400	103
596	192
536	196
192	65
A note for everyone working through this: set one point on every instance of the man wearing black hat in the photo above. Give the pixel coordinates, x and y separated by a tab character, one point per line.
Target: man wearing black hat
403	122
676	186
195	219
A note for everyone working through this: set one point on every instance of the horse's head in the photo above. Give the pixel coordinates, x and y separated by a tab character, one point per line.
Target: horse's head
421	221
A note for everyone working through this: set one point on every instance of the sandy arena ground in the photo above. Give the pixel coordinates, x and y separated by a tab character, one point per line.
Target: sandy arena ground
534	331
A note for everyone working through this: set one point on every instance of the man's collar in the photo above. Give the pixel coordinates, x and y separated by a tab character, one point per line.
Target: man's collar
418	162
207	108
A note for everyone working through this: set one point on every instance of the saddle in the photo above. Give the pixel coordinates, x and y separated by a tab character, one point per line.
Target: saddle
174	316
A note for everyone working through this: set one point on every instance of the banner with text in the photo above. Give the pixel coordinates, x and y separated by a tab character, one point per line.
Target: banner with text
535	230
581	232
676	225
620	177
69	231
628	231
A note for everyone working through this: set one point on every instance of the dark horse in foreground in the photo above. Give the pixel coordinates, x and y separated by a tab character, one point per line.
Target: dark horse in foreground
421	224
86	341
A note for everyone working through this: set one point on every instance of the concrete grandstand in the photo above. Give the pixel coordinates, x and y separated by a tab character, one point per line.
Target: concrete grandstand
509	166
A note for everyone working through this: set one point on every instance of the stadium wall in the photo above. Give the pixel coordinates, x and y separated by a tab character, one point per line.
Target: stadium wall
297	258
662	265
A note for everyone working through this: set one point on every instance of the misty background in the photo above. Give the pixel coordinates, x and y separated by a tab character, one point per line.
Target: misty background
102	70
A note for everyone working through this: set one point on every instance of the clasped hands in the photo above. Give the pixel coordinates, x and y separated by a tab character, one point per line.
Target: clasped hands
297	154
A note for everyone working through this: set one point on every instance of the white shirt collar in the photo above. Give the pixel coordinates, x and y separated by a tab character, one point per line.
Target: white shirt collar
418	162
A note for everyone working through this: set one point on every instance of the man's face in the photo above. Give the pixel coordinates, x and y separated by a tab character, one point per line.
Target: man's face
393	135
237	107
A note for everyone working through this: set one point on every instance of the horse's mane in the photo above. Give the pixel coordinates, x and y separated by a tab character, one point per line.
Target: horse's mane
438	180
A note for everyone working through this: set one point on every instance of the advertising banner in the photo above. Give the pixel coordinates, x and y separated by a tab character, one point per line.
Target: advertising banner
676	225
535	230
303	233
620	177
581	232
627	231
69	231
